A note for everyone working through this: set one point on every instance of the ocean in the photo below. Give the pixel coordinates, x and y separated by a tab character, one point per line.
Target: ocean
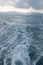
21	39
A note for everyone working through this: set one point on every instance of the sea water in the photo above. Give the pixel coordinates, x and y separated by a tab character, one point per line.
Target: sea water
21	39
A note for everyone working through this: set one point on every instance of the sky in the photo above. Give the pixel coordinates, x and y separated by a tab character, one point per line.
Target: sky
22	6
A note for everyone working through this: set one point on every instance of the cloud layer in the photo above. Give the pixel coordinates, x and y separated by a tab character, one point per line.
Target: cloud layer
23	6
14	9
37	4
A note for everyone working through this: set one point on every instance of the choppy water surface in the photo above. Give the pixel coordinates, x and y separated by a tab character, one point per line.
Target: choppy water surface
21	39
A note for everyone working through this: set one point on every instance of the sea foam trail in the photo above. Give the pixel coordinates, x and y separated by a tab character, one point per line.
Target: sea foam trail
12	44
21	41
20	54
16	50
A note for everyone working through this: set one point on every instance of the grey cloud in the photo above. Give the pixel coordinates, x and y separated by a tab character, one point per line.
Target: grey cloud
37	4
22	4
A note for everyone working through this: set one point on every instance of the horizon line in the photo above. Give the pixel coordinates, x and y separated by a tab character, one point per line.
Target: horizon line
20	10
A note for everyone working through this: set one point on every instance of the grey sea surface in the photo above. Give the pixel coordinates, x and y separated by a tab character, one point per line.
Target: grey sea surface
21	39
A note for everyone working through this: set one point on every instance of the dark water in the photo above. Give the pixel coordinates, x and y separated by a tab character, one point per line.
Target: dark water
21	39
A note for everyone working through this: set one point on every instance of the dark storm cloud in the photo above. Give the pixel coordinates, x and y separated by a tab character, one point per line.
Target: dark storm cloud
37	4
22	4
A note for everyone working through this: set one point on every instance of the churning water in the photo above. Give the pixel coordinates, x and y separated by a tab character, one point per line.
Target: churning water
21	39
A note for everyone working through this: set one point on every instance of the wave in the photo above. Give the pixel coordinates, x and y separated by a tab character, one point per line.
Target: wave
21	43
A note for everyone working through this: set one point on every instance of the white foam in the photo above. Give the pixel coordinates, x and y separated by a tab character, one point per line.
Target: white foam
20	53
